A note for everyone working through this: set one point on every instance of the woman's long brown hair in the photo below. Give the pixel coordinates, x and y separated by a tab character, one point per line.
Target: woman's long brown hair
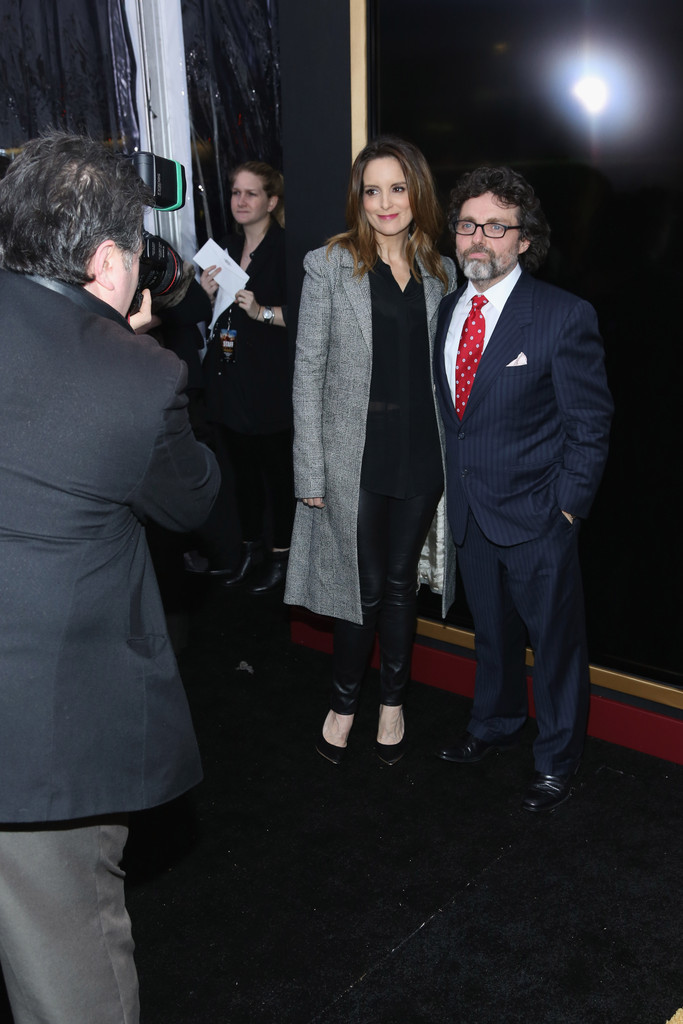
359	238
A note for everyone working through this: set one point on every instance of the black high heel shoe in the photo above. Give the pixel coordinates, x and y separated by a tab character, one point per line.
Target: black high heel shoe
391	753
329	751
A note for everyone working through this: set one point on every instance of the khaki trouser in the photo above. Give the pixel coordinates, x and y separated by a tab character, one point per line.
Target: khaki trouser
65	939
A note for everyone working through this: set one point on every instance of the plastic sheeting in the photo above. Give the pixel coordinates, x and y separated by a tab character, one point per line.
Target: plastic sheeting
69	64
233	71
66	64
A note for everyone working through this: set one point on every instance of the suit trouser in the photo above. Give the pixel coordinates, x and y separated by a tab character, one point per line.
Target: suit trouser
391	532
65	938
536	584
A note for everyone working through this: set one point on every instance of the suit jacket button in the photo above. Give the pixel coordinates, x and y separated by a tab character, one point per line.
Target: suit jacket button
461	435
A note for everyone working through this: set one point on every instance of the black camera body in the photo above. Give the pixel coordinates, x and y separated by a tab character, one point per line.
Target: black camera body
164	178
161	268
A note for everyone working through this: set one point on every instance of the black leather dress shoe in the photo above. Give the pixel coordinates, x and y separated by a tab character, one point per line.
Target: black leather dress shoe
329	751
469	749
546	792
270	576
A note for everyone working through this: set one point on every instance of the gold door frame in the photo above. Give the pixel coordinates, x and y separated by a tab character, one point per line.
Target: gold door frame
358	50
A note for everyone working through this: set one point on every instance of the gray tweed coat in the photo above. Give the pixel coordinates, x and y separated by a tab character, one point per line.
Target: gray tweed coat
331	393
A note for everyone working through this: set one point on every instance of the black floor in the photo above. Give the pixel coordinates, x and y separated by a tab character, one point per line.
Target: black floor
288	891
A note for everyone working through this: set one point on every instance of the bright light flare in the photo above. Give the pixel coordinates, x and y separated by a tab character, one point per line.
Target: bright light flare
592	93
599	88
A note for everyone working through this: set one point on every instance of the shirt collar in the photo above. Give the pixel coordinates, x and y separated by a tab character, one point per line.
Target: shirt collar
499	293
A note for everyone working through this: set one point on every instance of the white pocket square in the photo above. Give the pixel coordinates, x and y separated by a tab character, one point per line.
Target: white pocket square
521	360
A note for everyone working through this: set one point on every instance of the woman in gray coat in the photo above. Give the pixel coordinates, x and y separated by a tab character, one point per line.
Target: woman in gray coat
368	466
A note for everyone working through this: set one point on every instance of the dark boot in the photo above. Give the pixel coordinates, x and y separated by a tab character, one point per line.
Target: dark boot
272	576
252	557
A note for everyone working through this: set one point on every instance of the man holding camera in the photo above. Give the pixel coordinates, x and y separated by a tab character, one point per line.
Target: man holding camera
94	442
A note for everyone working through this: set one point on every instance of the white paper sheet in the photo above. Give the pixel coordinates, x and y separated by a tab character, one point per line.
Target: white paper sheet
230	279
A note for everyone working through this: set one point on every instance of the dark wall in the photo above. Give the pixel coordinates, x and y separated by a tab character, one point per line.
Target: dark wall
492	83
316	126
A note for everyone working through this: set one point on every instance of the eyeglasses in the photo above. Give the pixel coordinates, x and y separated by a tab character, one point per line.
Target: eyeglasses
468	227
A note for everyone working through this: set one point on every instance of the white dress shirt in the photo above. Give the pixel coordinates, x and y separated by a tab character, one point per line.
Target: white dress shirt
497	296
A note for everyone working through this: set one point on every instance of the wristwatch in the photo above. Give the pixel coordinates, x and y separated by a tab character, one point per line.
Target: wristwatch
268	315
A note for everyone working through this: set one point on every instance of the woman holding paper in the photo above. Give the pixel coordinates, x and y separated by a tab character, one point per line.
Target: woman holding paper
247	380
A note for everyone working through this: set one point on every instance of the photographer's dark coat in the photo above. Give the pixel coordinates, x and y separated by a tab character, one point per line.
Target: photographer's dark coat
94	440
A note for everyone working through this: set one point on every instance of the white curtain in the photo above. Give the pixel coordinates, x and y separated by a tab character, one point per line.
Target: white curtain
156	29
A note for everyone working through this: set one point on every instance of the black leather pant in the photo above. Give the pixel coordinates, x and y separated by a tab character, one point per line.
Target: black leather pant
391	532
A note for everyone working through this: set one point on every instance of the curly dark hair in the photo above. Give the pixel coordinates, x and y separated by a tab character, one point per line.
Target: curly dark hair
510	189
62	197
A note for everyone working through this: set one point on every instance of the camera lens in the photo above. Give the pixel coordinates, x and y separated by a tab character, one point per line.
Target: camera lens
160	266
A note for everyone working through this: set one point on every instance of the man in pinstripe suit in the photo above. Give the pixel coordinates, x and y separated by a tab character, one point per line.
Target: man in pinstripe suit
526	448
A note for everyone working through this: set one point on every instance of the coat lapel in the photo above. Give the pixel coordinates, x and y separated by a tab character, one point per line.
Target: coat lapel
358	293
446	312
433	292
506	342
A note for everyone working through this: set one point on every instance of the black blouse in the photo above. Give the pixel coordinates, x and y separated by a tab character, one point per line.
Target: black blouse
253	394
402	456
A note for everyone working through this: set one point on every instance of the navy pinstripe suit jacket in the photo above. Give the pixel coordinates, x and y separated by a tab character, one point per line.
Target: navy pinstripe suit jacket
533	439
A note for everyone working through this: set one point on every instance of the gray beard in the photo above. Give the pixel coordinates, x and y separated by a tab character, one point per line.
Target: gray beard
481	270
484	270
478	270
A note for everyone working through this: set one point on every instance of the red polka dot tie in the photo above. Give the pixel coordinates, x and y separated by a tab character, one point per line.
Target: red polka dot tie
469	353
